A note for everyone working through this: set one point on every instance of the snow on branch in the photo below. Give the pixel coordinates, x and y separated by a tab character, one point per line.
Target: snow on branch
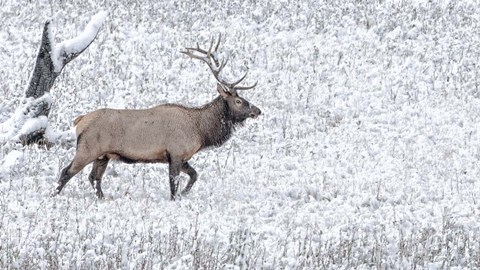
67	50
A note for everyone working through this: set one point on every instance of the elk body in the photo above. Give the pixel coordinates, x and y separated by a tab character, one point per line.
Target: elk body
167	133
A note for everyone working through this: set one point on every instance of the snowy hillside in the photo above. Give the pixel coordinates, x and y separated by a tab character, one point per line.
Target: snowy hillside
366	154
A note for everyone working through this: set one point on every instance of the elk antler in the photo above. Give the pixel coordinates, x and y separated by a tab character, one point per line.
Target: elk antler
210	58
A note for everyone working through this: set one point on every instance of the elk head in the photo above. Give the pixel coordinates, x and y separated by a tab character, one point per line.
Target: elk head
239	108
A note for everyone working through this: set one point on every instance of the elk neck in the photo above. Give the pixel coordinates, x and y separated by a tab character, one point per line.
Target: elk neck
215	124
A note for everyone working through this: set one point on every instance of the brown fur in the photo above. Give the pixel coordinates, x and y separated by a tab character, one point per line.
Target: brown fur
144	135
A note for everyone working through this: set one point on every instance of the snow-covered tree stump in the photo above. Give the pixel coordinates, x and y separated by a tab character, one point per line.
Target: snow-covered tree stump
29	123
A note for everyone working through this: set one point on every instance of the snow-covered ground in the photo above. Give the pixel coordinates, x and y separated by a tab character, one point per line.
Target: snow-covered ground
366	155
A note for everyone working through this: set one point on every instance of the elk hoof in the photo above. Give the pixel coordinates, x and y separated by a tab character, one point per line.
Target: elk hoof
176	197
54	193
99	195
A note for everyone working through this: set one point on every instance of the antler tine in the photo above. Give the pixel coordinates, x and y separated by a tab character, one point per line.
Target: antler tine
239	81
218	43
206	58
224	63
202	58
212	54
246	87
234	88
197	49
189	53
209	53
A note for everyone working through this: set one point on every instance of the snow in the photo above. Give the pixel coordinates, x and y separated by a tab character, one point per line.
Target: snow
365	155
21	120
78	43
14	158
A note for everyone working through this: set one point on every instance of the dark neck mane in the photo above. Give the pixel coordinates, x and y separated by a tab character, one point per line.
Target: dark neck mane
214	122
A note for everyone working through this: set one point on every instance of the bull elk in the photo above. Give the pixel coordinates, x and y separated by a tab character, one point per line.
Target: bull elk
167	133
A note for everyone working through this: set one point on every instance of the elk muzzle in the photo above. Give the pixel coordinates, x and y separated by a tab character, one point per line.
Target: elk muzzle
255	112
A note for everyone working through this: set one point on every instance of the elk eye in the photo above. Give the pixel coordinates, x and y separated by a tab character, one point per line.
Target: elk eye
238	101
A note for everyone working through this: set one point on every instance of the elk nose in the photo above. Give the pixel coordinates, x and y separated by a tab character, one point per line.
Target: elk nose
255	112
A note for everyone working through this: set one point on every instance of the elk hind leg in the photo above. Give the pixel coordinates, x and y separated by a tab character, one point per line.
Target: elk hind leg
70	171
95	176
186	168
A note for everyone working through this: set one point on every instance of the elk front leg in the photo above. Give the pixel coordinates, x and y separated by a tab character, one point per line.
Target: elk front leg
95	177
173	172
186	168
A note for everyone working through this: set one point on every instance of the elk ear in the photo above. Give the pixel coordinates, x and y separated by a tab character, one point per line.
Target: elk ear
221	91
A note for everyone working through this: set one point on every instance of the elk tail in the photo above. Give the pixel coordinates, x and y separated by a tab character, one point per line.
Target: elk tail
77	120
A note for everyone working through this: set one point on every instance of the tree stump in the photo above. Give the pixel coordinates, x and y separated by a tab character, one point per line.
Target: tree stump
29	123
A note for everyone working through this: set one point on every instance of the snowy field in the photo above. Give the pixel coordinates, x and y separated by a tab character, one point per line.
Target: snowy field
366	155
